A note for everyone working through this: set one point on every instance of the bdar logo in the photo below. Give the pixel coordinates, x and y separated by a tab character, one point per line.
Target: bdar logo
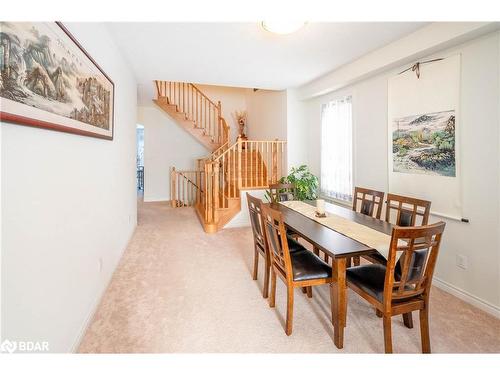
8	346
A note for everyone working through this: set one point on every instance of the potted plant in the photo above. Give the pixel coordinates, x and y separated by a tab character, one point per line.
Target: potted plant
306	184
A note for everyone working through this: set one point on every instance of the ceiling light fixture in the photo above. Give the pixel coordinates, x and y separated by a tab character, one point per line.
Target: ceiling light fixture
282	26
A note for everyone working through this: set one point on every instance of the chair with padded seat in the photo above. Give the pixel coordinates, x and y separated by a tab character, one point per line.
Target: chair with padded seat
368	202
282	193
260	245
405	212
298	269
401	286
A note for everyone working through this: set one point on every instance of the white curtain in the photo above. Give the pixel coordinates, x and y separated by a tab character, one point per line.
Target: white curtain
336	149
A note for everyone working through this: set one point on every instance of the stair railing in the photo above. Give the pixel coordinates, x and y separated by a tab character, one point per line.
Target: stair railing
244	165
197	107
186	188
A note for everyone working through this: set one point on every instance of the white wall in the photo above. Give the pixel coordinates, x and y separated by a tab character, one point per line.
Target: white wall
242	218
166	145
69	205
479	240
297	129
266	115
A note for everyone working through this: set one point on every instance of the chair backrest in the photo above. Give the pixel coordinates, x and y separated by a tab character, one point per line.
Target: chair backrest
409	212
254	209
412	275
282	192
277	243
366	200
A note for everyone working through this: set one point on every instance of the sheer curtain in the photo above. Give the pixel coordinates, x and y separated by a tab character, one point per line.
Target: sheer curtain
336	149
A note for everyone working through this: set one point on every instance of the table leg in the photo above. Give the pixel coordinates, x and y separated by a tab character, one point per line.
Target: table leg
339	301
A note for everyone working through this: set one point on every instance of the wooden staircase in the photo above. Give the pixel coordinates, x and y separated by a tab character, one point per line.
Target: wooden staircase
194	112
214	187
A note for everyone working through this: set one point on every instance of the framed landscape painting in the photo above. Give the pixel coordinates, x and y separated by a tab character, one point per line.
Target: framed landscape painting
49	81
425	144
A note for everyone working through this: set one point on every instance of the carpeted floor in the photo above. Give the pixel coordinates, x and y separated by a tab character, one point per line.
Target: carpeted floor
178	289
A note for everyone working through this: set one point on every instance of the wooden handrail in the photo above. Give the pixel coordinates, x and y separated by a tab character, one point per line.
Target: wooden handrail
186	188
244	165
202	94
197	107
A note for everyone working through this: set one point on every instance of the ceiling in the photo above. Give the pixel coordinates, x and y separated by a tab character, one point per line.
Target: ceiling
244	54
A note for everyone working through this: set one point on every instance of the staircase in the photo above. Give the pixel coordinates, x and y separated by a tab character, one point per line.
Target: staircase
214	187
193	111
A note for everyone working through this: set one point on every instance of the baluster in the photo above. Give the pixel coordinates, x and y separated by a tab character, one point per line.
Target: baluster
172	187
175	93
280	165
267	163
261	163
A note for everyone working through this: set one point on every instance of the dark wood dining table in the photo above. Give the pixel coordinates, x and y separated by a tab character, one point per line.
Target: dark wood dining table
339	247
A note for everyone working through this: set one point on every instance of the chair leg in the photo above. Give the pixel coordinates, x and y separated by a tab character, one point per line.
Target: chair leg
255	264
304	289
424	330
265	292
309	291
289	310
272	297
408	320
387	334
356	260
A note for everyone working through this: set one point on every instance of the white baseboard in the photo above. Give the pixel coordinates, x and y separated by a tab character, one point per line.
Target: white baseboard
95	304
156	199
467	297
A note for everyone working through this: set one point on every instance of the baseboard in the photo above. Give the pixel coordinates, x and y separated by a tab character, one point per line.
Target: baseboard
467	297
156	199
97	301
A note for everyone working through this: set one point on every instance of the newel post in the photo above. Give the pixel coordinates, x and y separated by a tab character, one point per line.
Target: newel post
240	147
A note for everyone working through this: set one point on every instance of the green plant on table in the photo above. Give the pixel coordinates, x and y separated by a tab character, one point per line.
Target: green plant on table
306	184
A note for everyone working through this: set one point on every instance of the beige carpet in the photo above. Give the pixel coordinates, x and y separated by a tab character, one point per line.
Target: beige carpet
178	289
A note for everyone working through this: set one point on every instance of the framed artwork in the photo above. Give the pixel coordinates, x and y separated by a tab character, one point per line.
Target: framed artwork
48	80
424	143
424	134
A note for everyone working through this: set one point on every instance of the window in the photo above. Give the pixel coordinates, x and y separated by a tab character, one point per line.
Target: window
336	149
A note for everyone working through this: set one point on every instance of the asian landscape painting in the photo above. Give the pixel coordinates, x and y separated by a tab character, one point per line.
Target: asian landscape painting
425	144
48	80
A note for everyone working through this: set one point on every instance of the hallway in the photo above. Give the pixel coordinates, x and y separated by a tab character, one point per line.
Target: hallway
178	289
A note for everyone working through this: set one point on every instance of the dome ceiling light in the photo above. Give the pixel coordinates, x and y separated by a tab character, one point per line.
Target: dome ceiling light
282	26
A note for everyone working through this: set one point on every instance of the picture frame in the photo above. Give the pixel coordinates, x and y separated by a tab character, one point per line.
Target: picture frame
48	80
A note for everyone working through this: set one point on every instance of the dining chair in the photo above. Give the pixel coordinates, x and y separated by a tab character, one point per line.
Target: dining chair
260	245
408	211
298	269
405	212
368	202
282	192
403	286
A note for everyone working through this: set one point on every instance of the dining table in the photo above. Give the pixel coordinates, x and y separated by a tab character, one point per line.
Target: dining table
336	245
